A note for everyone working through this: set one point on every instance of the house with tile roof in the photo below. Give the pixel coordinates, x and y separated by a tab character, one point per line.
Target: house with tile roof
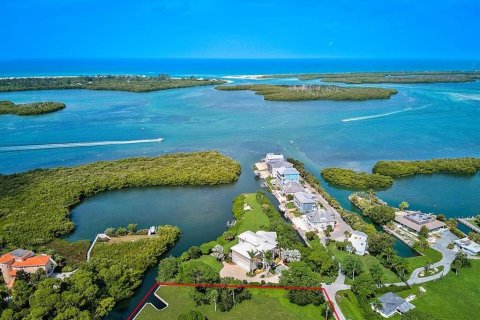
24	260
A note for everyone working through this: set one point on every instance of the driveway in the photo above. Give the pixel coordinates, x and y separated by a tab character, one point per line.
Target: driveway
234	271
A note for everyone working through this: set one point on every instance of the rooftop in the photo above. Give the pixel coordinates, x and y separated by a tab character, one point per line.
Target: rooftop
415	220
320	216
469	245
391	302
281	164
304	197
37	261
256	242
286	170
292	187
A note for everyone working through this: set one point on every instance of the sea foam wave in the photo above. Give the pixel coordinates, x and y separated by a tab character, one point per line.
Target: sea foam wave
373	116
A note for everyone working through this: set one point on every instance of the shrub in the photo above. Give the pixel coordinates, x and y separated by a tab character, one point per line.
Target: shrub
356	180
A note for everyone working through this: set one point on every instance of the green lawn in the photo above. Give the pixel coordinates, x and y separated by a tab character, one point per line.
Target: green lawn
265	304
349	305
212	262
453	297
429	256
368	261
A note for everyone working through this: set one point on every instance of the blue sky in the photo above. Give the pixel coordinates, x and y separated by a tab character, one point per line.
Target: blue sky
239	29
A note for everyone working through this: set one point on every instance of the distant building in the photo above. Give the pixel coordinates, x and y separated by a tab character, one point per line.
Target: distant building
285	175
358	240
274	166
305	202
415	220
392	304
24	260
320	219
272	157
468	246
250	243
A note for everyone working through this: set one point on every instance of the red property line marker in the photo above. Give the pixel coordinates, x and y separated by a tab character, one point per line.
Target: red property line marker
229	286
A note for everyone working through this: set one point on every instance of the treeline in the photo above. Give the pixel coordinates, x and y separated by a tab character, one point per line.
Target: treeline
388	77
109	82
35	205
356	180
28	109
112	275
458	166
312	92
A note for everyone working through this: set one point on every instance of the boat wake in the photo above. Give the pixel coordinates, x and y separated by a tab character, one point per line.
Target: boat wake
73	145
465	96
385	114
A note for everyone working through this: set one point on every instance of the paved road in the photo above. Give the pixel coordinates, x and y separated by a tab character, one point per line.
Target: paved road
332	290
447	258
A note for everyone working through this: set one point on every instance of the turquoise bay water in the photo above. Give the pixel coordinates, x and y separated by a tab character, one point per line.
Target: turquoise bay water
421	122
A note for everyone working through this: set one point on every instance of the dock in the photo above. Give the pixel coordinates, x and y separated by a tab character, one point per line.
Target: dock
468	224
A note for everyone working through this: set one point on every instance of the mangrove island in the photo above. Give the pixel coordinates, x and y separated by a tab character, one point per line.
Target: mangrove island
29	109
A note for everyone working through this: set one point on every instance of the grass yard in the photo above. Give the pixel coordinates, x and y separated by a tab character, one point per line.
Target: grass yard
429	256
265	304
349	305
368	261
453	297
211	261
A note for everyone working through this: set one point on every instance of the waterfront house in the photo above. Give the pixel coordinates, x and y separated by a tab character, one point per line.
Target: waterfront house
320	219
24	260
391	304
286	175
468	246
305	202
358	240
291	188
272	157
274	166
251	246
415	220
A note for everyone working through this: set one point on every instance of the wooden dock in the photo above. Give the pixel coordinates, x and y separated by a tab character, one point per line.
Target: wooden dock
468	225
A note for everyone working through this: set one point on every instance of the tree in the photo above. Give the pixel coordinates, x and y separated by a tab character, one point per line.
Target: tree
253	259
381	214
310	235
217	252
403	205
291	255
132	228
214	297
379	242
299	274
423	232
456	265
197	272
477	220
377	274
363	286
194	252
352	266
328	231
347	234
167	269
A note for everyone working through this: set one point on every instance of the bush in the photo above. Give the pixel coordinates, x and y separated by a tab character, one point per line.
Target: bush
380	214
356	180
207	247
311	235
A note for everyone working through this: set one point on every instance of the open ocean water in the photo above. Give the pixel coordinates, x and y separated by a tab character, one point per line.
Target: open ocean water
422	121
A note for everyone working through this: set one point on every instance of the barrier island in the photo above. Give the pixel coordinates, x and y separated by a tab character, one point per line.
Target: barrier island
35	205
108	82
387	77
312	92
29	109
356	180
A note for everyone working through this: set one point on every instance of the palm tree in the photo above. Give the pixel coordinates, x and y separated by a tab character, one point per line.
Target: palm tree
253	255
347	234
377	304
457	264
214	297
388	254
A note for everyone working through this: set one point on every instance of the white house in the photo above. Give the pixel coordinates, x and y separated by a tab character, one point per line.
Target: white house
272	157
468	246
286	175
305	202
251	246
274	166
320	219
358	240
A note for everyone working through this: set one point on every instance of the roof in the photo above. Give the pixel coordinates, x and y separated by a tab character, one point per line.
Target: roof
359	234
32	262
391	302
292	187
468	244
320	215
272	156
304	197
257	242
287	170
280	164
20	253
6	258
416	222
13	272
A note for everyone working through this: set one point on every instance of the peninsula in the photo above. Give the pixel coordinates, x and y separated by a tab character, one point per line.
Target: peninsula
28	109
107	82
312	92
387	77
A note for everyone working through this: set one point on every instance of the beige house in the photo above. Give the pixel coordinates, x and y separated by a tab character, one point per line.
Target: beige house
24	260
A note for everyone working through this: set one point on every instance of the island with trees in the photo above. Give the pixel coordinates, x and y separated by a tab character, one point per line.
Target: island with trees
356	180
312	92
104	82
29	109
406	77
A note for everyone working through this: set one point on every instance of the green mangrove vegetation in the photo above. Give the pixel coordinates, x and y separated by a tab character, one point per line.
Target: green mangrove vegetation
356	180
387	77
457	166
312	92
35	205
107	82
29	109
112	275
